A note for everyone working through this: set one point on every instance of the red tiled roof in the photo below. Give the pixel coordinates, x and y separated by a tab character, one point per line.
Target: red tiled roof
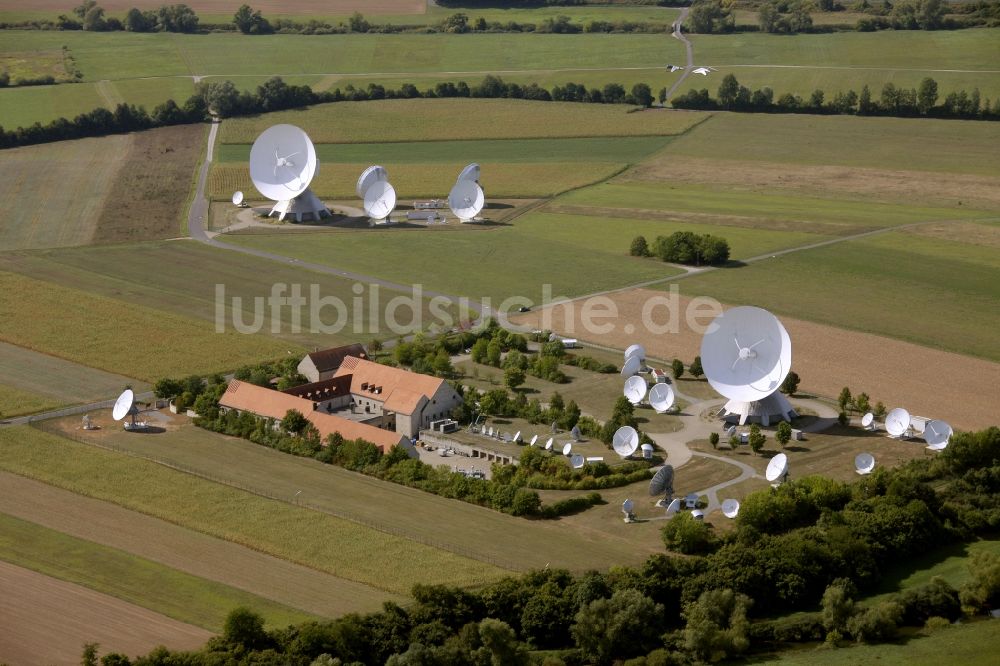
331	359
410	385
325	389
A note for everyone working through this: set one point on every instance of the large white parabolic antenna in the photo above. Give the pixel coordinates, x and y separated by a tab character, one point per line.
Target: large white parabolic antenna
864	463
937	434
746	354
369	177
897	421
662	482
632	365
237	198
567	448
123	405
471	172
661	397
635	350
380	200
635	389
730	508
625	441
466	200
777	468
282	164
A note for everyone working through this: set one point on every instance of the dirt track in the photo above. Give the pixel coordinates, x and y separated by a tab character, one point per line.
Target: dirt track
47	621
961	390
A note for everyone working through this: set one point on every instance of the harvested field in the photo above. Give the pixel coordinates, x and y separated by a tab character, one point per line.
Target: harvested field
186	550
98	332
983	234
47	621
964	390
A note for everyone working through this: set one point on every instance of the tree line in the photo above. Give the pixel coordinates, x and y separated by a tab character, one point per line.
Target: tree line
812	543
923	101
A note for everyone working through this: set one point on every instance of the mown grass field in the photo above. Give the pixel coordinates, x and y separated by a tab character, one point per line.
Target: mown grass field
131	340
300	535
15	401
140	581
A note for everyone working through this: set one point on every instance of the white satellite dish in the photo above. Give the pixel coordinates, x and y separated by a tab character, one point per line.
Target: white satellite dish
867	420
576	434
627	506
635	389
674	507
123	405
369	177
282	164
746	353
466	200
577	461
864	463
698	514
661	397
632	366
897	421
625	441
567	448
937	434
777	469
730	508
533	440
635	350
517	437
237	198
703	70
471	173
548	444
380	200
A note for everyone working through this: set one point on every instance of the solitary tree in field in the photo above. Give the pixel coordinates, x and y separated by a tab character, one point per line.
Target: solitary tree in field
695	368
677	368
791	384
784	433
756	439
713	439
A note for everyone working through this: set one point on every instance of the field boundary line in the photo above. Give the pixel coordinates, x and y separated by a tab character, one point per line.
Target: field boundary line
455	549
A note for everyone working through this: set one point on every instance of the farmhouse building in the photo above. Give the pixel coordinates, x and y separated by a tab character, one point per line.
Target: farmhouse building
322	364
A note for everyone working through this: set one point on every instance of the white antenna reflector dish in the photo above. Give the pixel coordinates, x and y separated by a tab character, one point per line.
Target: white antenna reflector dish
777	468
867	420
369	177
632	365
730	508
380	199
577	461
123	405
471	173
517	437
548	444
533	440
674	507
625	441
897	421
661	397
466	199
937	434
635	389
567	448
627	506
282	162
237	198
576	434
635	350
746	354
698	514
864	463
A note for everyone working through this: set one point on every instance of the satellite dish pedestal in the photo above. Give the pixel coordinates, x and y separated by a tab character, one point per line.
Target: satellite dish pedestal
306	204
774	406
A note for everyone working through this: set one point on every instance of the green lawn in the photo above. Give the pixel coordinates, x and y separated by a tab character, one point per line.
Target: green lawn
22	107
137	580
950	563
896	284
15	401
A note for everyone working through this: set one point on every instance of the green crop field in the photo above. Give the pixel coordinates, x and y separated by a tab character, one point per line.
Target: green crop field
132	340
888	284
334	545
140	581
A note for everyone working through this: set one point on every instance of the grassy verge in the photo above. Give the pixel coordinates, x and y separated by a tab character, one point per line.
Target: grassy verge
15	402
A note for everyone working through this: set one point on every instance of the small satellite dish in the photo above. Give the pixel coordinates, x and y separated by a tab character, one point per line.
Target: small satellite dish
864	463
625	441
533	440
576	434
661	397
662	482
647	451
937	434
635	389
237	198
517	437
674	507
698	514
867	420
466	200
576	461
632	366
897	421
471	172
777	469
567	448
369	177
635	350
123	405
730	508
746	354
703	70
627	506
731	430
380	200
548	444
490	431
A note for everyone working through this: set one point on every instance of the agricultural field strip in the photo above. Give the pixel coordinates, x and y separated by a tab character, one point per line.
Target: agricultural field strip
187	550
273	526
858	67
137	580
